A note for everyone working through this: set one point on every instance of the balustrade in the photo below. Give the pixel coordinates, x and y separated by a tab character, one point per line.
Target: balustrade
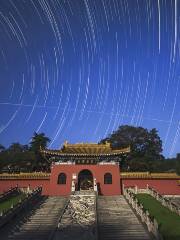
15	209
152	225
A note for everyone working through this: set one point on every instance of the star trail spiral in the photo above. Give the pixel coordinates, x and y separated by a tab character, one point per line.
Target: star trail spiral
77	69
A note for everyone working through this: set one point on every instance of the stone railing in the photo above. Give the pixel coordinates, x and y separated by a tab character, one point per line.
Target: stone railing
11	192
151	224
163	200
96	218
14	210
135	189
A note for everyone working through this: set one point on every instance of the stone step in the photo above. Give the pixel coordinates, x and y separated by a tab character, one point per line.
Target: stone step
43	221
116	220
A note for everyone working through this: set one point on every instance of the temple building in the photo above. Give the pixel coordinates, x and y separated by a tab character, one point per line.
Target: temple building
85	166
93	166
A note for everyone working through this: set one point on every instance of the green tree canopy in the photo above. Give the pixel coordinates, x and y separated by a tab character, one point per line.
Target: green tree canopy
17	148
24	158
38	141
146	147
17	157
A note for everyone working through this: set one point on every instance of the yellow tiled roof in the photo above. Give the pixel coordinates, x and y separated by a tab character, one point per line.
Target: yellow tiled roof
86	148
124	175
34	175
149	175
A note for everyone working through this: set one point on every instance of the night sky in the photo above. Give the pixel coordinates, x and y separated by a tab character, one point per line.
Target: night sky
77	69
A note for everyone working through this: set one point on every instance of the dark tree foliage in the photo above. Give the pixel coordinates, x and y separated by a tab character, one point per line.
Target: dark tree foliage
172	164
146	147
2	148
178	157
13	161
25	158
39	141
145	155
17	148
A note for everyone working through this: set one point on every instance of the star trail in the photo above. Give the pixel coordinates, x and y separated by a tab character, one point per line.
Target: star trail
77	69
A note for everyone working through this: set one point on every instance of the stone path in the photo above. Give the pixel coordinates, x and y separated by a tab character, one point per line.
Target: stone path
116	220
41	224
78	221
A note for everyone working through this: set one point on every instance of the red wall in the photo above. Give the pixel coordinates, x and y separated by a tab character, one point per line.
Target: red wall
163	186
97	171
7	184
50	187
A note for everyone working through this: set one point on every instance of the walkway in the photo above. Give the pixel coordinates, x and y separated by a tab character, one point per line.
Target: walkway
78	221
41	224
116	220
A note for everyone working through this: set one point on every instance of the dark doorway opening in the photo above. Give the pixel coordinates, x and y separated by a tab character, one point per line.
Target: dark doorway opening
85	180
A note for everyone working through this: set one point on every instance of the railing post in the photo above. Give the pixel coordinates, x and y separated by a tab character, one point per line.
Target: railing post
141	211
136	189
95	185
73	186
147	188
179	211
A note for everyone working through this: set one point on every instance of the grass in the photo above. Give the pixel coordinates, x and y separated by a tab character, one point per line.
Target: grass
169	222
6	205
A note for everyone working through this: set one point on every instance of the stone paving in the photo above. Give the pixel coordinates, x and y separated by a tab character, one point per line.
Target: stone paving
41	224
116	220
78	221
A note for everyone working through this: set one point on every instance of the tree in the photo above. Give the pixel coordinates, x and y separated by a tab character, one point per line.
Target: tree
39	141
20	157
146	147
178	156
2	148
17	147
154	144
16	158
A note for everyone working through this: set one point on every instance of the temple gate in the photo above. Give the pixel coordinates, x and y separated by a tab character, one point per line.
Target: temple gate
85	166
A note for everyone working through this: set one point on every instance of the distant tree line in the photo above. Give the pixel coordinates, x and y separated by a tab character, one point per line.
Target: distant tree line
27	158
145	154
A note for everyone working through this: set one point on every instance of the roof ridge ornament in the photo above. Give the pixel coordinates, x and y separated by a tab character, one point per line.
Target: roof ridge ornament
65	143
107	143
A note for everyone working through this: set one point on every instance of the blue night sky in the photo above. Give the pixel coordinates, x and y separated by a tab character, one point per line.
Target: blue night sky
77	69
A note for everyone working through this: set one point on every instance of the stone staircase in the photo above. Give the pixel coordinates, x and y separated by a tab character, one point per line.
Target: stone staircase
41	224
116	220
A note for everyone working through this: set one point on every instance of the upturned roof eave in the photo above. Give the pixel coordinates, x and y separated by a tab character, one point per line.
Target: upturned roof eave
58	153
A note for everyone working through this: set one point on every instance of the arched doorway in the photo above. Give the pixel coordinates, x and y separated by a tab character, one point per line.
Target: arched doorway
85	180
